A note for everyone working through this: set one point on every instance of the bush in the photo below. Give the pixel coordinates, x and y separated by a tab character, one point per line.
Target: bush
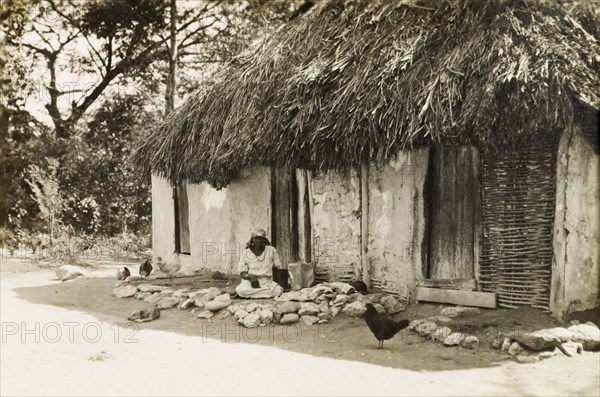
126	246
68	248
8	240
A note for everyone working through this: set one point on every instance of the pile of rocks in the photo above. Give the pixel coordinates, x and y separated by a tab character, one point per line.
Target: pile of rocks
436	328
209	299
316	305
251	314
530	347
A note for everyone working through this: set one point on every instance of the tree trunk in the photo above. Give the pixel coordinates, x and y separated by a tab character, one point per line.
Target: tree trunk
171	80
3	177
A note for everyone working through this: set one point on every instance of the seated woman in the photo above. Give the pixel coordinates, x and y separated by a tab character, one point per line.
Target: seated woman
256	268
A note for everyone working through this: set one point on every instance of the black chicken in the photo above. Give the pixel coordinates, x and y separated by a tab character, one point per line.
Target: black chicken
145	268
382	327
359	286
123	274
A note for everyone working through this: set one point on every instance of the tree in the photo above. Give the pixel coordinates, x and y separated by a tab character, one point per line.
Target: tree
97	42
69	65
45	187
116	35
107	194
20	149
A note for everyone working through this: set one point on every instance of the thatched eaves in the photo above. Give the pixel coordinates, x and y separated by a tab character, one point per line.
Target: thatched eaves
358	80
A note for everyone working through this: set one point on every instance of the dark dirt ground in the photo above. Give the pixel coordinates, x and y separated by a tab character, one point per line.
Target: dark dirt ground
344	338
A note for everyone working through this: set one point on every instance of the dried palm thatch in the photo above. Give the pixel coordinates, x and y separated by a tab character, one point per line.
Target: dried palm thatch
361	80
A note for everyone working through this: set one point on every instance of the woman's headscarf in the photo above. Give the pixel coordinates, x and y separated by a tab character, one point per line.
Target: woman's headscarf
258	232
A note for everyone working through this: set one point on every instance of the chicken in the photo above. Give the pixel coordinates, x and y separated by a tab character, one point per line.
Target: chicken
145	268
123	274
359	286
170	267
142	316
382	327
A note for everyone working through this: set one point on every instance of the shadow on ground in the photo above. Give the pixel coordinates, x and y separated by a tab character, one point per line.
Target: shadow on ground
345	338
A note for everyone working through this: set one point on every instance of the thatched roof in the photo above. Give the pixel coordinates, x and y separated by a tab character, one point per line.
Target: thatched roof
355	80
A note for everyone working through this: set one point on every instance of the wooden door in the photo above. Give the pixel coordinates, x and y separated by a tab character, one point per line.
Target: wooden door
182	222
284	224
453	201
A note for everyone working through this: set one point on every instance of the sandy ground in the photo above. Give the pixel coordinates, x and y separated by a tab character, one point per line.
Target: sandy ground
50	350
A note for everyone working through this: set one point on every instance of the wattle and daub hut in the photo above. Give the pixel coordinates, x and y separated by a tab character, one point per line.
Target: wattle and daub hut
411	143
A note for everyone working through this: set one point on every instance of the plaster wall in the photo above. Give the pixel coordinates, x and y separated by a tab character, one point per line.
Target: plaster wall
397	222
163	222
575	269
220	220
336	223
